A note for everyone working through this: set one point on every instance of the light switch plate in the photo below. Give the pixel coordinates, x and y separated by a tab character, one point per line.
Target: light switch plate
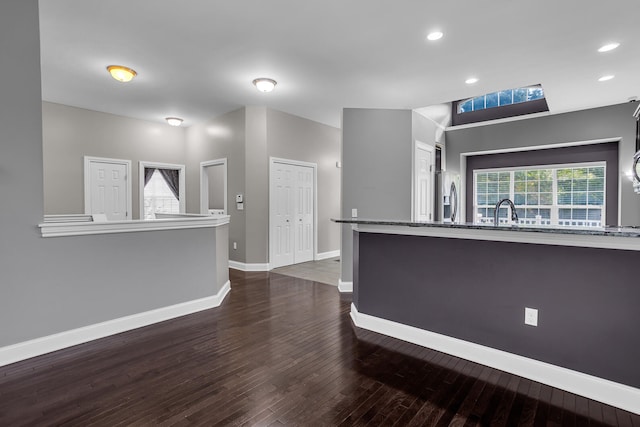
530	316
354	213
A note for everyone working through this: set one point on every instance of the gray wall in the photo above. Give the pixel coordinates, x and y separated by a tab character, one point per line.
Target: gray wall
71	133
56	284
256	190
215	182
377	147
598	123
222	137
295	138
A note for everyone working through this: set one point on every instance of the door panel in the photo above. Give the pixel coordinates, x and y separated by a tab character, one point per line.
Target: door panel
422	186
108	190
292	217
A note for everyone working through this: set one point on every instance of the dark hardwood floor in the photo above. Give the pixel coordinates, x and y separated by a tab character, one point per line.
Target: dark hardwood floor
279	351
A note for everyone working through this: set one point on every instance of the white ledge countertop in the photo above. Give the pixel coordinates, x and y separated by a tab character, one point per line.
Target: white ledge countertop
626	238
79	225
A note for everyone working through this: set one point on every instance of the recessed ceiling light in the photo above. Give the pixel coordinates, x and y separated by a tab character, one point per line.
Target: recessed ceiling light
121	73
436	35
264	84
471	80
174	121
608	47
605	78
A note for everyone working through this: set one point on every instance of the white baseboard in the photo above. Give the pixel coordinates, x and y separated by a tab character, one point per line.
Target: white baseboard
39	346
326	255
345	286
605	391
248	267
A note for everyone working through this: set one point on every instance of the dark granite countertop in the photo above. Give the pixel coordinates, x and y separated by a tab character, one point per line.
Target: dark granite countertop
625	231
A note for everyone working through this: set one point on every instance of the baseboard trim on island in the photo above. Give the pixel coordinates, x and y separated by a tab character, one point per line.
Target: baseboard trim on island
39	346
605	391
345	287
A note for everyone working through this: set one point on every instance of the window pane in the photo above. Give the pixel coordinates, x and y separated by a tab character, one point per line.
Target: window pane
520	176
481	177
466	106
532	199
546	186
594	215
493	176
564	198
492	187
533	186
580	198
481	187
519	198
596	184
504	187
545	213
478	103
534	93
519	95
564	213
506	97
492	100
505	176
580	185
519	187
492	199
533	175
564	174
482	199
596	198
546	198
579	214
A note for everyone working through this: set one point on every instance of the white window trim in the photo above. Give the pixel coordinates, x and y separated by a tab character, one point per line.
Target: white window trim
554	207
87	182
181	183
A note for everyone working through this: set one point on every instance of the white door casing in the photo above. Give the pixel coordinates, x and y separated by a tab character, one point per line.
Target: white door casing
423	182
107	188
292	212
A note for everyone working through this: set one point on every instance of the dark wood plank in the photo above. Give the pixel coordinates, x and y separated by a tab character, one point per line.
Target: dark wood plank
279	351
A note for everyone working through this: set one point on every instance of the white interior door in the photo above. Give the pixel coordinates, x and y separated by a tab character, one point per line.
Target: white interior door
303	214
292	217
108	189
423	183
282	238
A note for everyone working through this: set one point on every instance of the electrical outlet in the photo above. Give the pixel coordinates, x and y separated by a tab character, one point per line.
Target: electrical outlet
235	245
530	316
354	213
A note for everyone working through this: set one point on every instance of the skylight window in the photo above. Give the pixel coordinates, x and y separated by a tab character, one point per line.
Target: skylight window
499	105
501	98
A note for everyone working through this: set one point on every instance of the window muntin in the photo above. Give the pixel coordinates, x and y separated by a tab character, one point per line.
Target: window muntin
501	98
569	195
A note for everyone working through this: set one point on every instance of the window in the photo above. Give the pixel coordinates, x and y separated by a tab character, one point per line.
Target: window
501	98
161	190
158	197
499	105
571	195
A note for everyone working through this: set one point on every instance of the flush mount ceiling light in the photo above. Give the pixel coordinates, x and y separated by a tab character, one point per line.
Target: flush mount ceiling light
174	121
265	85
121	73
471	80
605	78
436	35
608	47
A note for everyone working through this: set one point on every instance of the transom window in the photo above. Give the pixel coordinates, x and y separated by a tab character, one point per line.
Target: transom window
572	195
501	98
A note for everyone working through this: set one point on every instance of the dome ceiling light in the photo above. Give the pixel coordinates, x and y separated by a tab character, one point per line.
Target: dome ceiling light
174	121
436	35
264	84
121	73
608	47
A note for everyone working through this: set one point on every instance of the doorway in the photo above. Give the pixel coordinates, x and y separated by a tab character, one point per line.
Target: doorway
107	188
213	187
292	212
423	182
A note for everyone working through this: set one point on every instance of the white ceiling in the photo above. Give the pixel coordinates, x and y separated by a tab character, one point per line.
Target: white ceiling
196	58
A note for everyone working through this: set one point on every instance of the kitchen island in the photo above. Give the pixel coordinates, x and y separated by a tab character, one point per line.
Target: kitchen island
463	289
